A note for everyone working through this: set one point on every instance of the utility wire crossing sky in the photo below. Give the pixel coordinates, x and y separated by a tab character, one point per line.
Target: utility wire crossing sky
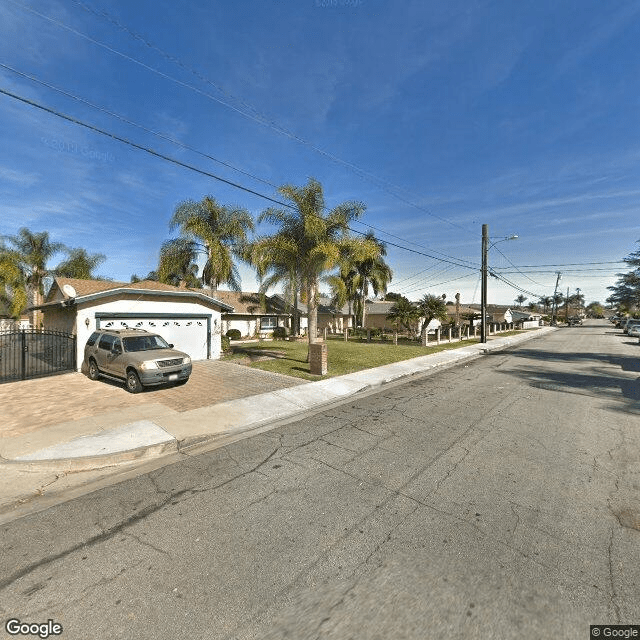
438	118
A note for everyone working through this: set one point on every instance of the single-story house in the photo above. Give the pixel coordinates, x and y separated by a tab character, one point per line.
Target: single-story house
376	318
253	314
505	314
189	319
335	319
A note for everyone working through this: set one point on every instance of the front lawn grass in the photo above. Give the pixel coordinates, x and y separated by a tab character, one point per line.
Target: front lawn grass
289	358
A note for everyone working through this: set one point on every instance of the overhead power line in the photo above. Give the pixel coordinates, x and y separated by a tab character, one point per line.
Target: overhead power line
384	185
190	167
197	151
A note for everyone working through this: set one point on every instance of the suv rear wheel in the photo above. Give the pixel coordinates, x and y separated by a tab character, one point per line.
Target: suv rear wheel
94	372
133	382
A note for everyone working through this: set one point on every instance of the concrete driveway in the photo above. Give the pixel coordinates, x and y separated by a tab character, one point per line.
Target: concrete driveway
29	405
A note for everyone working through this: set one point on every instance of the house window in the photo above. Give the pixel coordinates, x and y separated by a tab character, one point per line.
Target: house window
268	323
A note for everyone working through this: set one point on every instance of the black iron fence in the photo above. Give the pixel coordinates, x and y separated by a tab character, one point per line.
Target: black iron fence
29	353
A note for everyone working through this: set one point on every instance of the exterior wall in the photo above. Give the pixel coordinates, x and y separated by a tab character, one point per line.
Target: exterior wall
246	325
60	319
334	324
136	305
249	326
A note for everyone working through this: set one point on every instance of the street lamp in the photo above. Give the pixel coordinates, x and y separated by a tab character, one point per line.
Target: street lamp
483	289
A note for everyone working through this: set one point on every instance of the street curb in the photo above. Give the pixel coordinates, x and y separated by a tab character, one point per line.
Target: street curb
86	463
400	370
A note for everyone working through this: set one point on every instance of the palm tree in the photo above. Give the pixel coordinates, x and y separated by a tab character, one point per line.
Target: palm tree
177	264
220	232
276	261
79	264
404	313
370	269
520	299
34	251
13	292
309	241
431	308
546	302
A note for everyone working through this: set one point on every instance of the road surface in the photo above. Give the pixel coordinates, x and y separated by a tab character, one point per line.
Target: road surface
496	499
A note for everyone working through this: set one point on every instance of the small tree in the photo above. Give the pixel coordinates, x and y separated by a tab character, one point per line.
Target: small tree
431	308
404	313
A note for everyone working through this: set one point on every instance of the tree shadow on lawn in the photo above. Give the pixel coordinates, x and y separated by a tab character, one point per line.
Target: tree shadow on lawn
255	355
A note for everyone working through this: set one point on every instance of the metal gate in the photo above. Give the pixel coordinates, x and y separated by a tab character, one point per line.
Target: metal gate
30	353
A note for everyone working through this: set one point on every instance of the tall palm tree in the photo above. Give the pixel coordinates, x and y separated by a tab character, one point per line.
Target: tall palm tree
431	308
276	261
177	264
35	250
79	264
310	241
221	233
371	269
520	299
546	302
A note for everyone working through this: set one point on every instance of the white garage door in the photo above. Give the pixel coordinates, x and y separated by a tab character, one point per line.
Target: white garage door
188	334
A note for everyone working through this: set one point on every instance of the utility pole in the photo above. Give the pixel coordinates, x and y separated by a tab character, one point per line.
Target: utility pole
483	287
566	307
555	302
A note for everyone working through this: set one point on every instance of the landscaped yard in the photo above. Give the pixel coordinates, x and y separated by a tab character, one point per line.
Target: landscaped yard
288	358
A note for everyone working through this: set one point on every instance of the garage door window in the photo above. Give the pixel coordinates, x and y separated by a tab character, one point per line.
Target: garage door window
268	323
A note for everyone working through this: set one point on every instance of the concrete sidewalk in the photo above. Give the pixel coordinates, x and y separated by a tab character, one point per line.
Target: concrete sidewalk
146	432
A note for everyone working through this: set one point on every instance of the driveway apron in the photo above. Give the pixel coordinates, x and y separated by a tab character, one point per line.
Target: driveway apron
29	405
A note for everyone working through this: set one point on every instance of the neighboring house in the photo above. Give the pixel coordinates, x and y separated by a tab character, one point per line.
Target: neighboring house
376	318
253	314
464	314
189	319
335	319
504	314
281	304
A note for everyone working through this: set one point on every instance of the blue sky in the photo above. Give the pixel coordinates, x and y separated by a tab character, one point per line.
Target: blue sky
439	116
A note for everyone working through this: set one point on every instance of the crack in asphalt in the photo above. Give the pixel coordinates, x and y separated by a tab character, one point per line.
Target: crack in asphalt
614	594
121	526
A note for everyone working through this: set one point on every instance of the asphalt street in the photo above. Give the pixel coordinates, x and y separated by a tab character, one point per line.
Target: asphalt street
496	499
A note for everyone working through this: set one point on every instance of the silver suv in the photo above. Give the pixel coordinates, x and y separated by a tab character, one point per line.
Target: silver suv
140	358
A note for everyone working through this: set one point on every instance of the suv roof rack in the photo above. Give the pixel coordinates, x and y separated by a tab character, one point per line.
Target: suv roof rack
123	329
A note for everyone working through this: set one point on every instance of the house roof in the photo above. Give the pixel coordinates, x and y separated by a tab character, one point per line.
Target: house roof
248	303
87	290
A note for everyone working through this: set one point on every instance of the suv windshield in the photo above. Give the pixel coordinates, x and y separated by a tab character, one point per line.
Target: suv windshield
144	343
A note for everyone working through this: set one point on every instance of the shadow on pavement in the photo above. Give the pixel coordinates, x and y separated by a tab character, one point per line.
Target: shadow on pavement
623	393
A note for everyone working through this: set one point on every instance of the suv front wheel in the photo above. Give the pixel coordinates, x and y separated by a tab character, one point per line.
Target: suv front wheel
94	372
133	382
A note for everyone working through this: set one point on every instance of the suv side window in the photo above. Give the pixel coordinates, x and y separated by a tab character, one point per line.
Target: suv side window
106	342
92	338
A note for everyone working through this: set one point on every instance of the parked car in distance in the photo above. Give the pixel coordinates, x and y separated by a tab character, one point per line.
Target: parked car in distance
140	358
575	321
633	329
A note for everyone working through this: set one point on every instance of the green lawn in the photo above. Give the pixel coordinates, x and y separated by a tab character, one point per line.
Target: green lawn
343	357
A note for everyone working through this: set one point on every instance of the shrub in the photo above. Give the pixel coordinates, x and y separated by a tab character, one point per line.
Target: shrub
226	345
279	333
234	334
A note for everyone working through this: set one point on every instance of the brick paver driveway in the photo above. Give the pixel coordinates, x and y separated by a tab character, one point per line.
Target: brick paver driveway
31	404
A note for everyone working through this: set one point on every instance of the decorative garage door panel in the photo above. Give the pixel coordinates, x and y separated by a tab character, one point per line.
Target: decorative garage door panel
186	334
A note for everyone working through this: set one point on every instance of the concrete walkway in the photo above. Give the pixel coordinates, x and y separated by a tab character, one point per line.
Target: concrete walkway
150	430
